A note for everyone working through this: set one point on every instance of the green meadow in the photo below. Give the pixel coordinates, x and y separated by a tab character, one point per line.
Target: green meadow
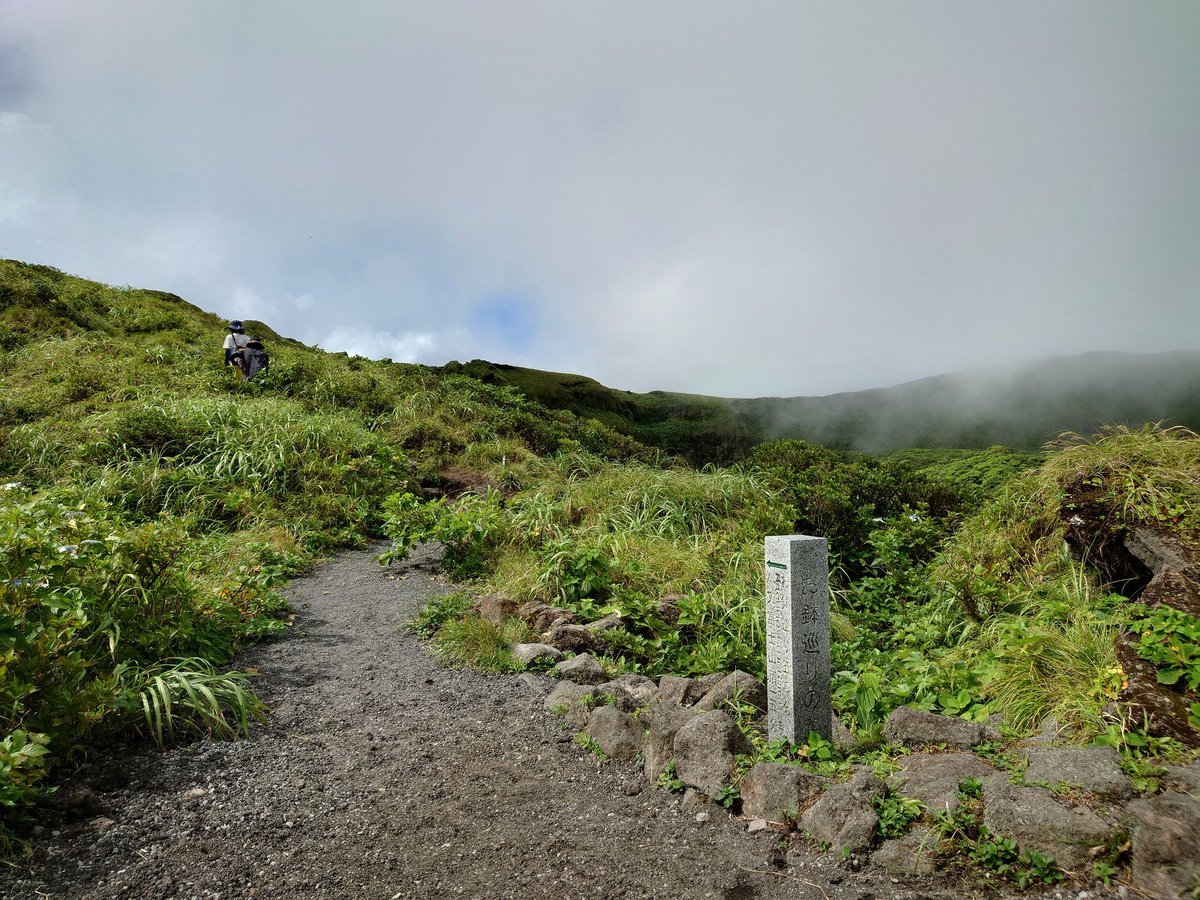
152	505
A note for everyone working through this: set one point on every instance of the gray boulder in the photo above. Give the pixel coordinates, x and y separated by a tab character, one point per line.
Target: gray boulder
707	681
599	626
844	815
704	751
933	778
1037	821
910	727
616	733
737	686
527	653
664	720
566	701
842	738
571	638
913	854
639	687
495	609
535	683
1094	769
778	792
1184	779
540	616
617	694
582	669
1166	838
684	691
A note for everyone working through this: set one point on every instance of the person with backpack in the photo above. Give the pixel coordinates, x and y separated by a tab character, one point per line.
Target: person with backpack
235	342
253	359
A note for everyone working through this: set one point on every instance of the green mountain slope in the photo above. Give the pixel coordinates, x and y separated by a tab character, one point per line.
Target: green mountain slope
1019	406
151	502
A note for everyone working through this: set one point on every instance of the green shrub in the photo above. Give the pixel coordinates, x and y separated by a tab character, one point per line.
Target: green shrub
441	610
480	644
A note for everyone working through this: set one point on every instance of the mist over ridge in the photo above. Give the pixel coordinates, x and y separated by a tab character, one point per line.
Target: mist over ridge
1021	405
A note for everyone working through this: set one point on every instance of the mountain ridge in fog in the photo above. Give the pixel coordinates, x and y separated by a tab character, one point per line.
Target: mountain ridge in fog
1019	405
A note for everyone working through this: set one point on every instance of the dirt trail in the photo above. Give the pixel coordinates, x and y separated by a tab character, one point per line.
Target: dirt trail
381	775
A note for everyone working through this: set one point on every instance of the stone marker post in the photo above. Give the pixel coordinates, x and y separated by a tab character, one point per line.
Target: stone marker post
798	690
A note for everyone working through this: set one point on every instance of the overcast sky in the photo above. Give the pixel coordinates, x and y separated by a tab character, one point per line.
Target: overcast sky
742	199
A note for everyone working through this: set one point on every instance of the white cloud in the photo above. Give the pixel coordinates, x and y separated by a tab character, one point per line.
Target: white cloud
408	347
773	198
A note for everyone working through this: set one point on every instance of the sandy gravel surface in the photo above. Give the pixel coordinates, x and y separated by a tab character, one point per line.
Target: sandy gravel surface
381	775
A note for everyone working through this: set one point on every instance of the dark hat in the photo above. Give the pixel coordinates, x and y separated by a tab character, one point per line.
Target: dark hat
235	325
255	343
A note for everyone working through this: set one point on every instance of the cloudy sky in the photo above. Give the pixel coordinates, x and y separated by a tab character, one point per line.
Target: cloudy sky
742	199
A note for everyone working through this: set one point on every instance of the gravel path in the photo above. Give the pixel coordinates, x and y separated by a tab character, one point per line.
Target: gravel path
381	775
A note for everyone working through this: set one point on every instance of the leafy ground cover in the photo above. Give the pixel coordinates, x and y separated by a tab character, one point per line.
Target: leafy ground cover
153	503
941	601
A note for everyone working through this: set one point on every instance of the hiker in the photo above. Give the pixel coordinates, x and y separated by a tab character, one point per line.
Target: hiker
253	358
234	343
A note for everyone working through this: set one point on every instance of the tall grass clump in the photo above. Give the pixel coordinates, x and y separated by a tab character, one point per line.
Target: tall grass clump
1038	618
476	642
1013	546
1054	655
597	536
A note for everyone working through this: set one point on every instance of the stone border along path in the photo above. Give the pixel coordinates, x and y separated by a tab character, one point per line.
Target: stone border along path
381	775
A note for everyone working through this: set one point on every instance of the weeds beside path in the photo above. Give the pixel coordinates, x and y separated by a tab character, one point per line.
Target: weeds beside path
380	775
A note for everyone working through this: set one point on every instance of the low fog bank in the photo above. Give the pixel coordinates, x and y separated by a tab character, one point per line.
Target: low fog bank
1019	406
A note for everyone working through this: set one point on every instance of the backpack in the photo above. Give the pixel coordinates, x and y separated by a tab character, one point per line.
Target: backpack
254	359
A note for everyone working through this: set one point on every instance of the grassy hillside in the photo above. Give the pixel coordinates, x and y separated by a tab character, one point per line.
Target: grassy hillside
151	503
1019	407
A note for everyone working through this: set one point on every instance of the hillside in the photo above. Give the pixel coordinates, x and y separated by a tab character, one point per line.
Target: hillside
1017	406
152	505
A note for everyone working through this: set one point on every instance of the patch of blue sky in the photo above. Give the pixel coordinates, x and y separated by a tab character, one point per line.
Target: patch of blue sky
506	318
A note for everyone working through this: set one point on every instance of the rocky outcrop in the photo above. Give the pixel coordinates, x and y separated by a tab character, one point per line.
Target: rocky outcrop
844	816
934	778
1174	582
910	727
1037	821
1166	836
655	720
704	751
778	792
1096	770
